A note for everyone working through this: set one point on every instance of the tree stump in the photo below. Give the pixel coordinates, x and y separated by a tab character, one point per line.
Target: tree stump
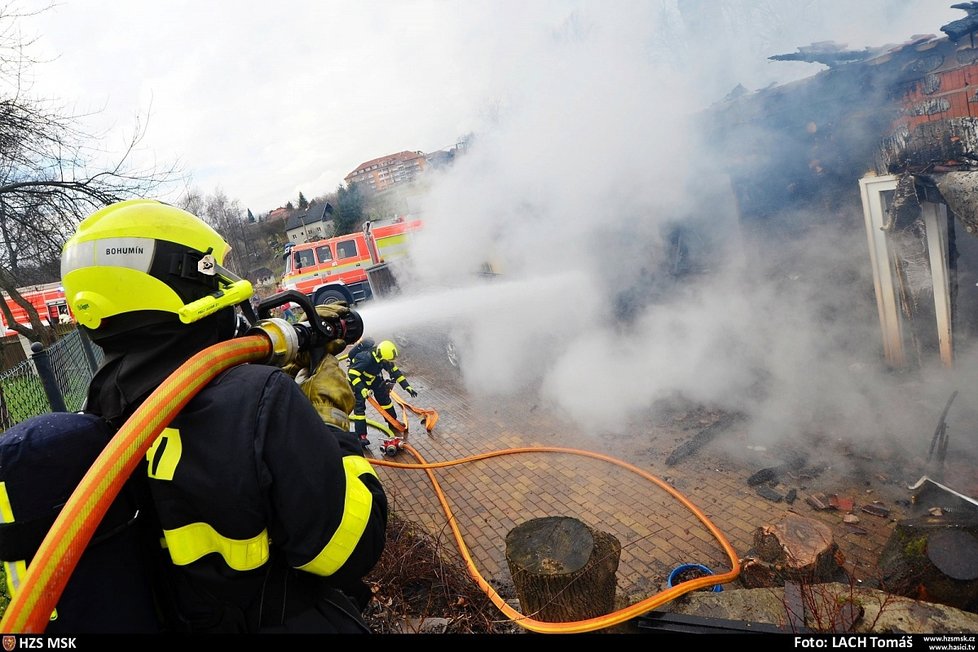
563	570
798	548
934	559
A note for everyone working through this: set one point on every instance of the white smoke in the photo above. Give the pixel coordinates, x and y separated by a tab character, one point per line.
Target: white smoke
589	161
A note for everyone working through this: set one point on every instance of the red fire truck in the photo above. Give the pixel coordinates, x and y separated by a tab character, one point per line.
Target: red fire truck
346	267
49	301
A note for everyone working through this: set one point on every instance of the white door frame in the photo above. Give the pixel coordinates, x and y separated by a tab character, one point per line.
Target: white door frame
884	267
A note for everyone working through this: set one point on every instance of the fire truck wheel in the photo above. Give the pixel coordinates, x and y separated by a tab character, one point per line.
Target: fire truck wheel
329	296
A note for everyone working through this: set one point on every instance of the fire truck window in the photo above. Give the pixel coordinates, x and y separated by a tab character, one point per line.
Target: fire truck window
346	249
304	258
323	254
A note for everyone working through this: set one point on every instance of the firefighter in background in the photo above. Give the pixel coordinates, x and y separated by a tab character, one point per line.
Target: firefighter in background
264	514
368	363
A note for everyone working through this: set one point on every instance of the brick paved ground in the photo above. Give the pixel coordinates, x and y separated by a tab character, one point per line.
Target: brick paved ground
657	532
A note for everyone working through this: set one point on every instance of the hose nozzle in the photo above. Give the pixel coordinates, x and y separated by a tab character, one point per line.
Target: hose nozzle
311	336
284	339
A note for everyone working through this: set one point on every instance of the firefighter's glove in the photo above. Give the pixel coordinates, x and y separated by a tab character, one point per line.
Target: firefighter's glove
333	313
413	392
330	393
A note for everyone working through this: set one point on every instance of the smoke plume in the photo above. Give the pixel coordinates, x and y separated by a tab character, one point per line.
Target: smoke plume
626	276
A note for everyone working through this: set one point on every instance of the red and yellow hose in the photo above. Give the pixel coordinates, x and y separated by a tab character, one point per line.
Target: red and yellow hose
46	577
62	547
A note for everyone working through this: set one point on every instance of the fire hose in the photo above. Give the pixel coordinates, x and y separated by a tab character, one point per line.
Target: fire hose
590	624
58	555
62	547
430	417
397	433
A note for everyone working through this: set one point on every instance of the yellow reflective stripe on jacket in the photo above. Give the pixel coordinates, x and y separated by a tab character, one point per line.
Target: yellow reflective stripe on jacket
356	513
189	543
15	570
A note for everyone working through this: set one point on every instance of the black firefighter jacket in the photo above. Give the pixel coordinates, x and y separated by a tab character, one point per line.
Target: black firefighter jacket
366	372
266	511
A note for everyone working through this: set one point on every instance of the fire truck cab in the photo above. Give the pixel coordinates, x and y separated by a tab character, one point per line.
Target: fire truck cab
339	268
49	301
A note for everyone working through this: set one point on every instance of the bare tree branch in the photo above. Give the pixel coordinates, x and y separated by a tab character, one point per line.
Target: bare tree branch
51	175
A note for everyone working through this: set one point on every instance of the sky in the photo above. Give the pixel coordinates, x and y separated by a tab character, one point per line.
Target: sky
583	158
265	100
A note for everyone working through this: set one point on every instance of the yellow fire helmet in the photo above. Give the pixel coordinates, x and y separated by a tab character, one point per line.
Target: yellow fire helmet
386	350
142	254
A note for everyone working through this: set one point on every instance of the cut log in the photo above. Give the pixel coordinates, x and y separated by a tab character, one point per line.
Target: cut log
934	559
799	548
562	569
756	574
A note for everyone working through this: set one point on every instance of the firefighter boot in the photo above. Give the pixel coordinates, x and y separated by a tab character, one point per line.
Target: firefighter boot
359	421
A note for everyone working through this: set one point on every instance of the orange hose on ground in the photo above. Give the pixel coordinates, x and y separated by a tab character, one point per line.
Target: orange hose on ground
62	547
401	428
591	624
428	417
48	573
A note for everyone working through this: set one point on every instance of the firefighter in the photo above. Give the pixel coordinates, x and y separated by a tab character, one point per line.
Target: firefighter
265	514
366	373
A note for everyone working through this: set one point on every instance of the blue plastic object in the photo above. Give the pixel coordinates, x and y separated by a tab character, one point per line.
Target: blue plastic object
679	570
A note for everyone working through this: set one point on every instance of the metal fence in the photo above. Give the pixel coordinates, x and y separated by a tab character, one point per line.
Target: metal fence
52	380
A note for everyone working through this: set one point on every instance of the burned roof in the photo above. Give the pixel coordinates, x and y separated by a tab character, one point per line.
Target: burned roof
828	53
901	110
957	29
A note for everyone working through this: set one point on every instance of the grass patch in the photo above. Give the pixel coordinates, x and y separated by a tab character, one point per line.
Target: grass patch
23	398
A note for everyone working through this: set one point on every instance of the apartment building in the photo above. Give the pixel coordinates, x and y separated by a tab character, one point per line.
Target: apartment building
382	173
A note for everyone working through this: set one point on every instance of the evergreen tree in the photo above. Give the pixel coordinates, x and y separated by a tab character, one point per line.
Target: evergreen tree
251	217
348	213
303	203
